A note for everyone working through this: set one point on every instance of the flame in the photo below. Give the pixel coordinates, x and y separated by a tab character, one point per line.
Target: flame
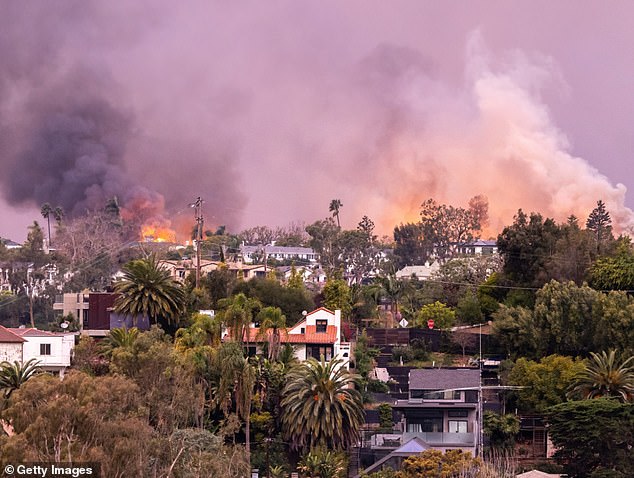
156	233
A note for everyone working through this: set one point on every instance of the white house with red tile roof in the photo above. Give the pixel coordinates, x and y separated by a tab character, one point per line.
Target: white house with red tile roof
52	350
11	346
318	334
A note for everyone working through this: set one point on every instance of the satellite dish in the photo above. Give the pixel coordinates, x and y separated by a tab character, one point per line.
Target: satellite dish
304	313
64	325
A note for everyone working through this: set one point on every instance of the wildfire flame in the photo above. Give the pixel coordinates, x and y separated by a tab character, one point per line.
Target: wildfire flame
156	233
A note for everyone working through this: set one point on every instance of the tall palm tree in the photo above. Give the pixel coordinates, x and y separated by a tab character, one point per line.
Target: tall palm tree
606	376
237	379
238	315
13	375
147	290
335	205
321	407
46	212
272	321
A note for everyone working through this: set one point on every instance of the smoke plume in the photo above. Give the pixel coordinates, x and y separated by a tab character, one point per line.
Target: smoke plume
270	111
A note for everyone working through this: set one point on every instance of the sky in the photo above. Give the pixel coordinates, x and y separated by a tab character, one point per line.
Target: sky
269	110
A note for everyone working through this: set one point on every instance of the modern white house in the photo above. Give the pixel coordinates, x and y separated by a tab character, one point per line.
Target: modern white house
279	253
317	335
52	350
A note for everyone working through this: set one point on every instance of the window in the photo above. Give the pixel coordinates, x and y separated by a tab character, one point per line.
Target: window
45	349
322	325
457	426
458	413
318	351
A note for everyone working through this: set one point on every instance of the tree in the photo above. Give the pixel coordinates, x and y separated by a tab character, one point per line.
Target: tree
148	290
410	247
337	295
464	340
443	316
323	463
272	321
501	429
614	272
334	207
321	407
14	375
238	314
606	376
600	223
46	211
544	383
447	226
119	337
237	379
593	436
323	239
434	464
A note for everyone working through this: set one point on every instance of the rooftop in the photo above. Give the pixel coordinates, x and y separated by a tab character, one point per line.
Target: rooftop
444	378
7	336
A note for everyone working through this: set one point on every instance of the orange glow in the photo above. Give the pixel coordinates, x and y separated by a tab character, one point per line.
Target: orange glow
156	233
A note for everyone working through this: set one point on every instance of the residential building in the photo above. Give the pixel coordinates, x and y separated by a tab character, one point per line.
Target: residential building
261	253
11	346
442	412
478	248
52	350
423	272
75	304
317	335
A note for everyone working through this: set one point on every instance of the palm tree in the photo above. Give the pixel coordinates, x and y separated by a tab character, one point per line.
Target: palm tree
321	407
119	338
46	211
58	214
271	321
605	376
335	205
238	315
237	378
14	375
322	463
147	290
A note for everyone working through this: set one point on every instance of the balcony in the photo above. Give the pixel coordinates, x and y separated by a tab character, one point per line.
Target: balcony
393	440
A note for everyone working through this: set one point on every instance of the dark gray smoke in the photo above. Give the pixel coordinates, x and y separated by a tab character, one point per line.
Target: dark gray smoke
69	137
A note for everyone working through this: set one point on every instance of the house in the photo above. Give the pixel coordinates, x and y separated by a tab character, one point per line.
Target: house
317	335
423	272
52	350
442	412
9	244
11	346
478	248
261	253
94	311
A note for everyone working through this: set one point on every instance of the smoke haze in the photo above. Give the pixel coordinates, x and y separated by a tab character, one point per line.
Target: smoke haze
269	111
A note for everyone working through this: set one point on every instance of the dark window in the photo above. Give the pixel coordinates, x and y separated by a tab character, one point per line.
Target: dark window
302	330
458	413
322	325
45	349
471	396
317	351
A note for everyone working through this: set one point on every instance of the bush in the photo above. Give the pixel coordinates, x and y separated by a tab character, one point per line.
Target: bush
376	386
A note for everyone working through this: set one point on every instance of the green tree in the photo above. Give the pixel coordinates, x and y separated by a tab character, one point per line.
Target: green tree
600	223
501	429
410	247
606	376
323	463
435	464
119	337
321	407
334	207
237	379
443	316
323	239
544	383
238	314
272	322
593	436
147	290
14	375
337	295
614	272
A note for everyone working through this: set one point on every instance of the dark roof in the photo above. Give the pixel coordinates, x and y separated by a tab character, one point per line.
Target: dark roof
6	336
443	378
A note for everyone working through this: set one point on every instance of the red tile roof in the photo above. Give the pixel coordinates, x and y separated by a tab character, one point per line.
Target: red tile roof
31	332
7	336
310	336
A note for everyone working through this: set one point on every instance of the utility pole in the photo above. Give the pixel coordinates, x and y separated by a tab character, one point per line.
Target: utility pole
198	214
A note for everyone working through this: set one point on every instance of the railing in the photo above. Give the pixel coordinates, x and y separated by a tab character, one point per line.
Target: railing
393	440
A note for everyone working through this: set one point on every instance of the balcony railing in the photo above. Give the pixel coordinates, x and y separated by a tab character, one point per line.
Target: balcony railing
393	440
